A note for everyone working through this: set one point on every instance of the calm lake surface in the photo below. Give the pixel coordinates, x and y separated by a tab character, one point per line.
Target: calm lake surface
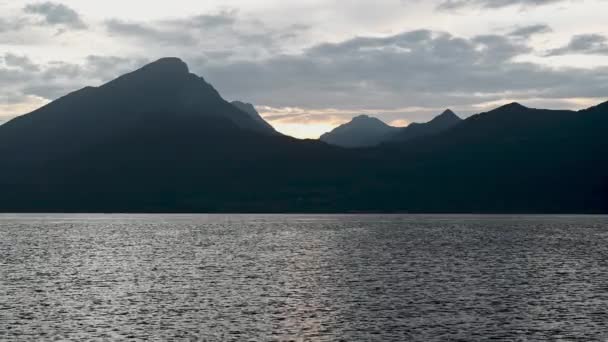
303	277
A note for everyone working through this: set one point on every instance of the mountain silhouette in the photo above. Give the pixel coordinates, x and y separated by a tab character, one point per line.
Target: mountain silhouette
253	113
365	131
361	131
160	93
161	139
440	123
516	159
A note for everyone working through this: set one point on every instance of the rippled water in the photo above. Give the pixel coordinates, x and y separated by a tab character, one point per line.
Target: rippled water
290	277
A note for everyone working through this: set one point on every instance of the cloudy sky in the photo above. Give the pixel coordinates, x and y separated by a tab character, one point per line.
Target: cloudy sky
311	65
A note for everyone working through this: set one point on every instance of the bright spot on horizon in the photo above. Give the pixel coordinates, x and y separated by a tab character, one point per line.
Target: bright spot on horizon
304	130
400	123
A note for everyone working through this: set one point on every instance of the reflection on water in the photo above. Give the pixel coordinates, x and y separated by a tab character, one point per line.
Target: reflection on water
282	277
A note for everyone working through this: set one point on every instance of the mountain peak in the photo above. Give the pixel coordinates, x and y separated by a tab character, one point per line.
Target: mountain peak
447	117
168	65
363	119
448	113
366	119
361	131
513	105
439	124
162	75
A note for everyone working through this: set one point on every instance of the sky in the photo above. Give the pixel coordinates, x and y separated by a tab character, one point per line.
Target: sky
312	65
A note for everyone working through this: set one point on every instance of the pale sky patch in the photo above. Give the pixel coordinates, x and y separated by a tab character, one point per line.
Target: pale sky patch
399	123
30	103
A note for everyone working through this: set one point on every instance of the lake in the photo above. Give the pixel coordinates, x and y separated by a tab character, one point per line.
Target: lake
303	277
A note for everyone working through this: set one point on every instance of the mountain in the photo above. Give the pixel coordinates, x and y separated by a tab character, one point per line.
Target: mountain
161	91
442	122
161	139
146	103
513	159
365	131
253	113
361	131
157	139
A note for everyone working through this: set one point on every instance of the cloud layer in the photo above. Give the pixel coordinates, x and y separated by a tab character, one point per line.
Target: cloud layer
418	68
456	4
594	44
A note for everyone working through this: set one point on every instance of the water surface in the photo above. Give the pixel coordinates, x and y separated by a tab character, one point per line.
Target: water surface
303	277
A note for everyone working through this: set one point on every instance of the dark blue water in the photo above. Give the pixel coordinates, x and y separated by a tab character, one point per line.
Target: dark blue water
294	277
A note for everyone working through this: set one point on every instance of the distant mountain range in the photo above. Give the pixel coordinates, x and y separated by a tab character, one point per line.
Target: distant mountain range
161	139
366	131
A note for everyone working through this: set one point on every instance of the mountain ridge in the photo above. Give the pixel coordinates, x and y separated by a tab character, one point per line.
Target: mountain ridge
366	131
164	90
180	147
444	121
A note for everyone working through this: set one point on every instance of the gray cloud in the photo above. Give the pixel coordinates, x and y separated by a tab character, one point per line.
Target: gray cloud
526	32
148	33
492	4
223	19
56	14
412	69
183	31
223	34
594	44
22	62
20	77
